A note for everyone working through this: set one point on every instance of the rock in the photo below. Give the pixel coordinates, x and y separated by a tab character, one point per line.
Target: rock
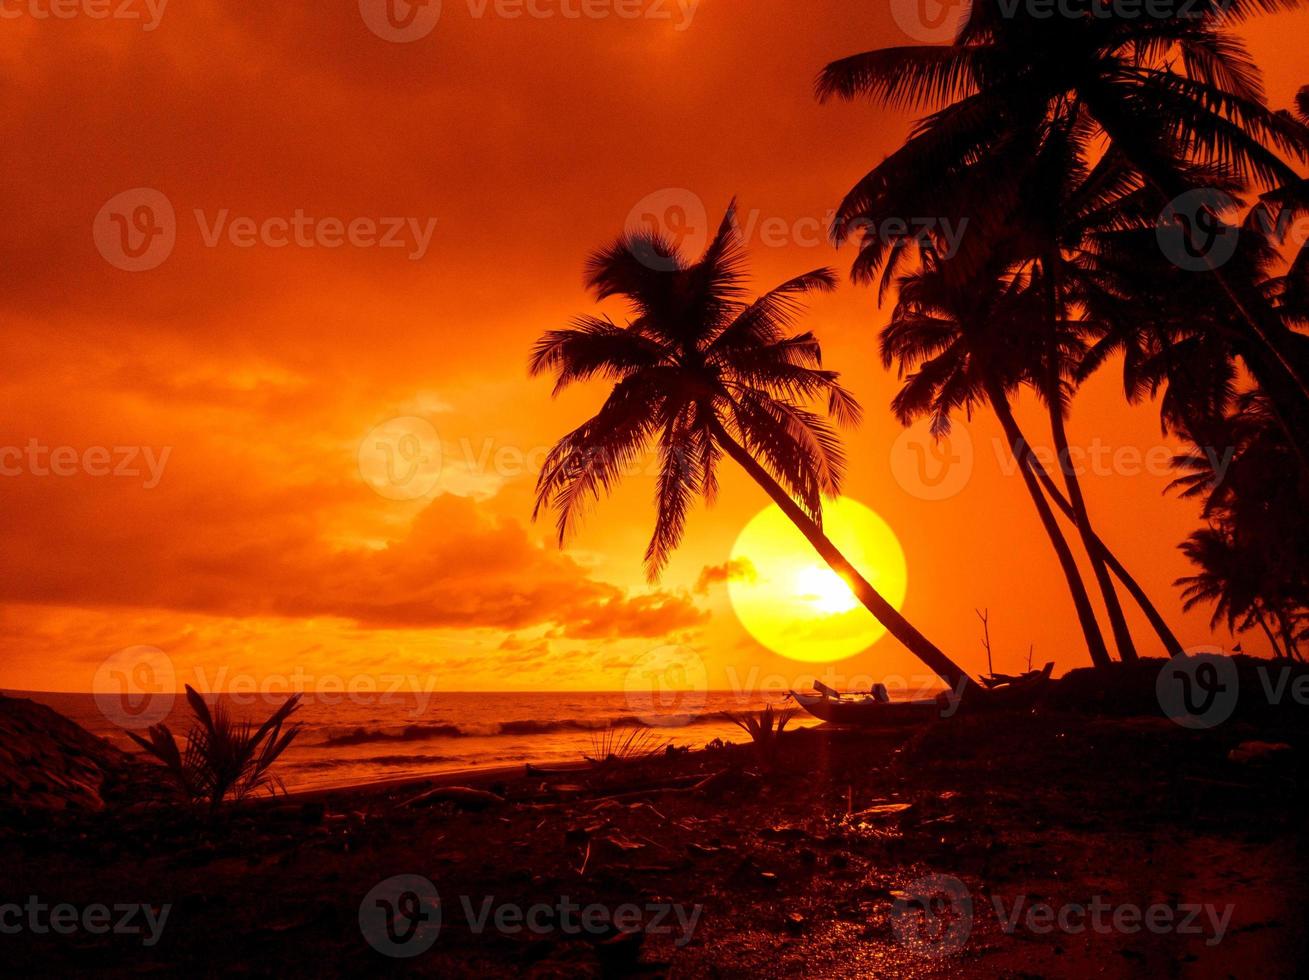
50	763
464	797
1258	752
621	951
884	811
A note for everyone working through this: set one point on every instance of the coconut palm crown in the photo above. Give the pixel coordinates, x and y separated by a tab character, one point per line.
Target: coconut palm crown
697	366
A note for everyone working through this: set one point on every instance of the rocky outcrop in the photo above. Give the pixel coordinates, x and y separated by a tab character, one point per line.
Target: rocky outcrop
50	763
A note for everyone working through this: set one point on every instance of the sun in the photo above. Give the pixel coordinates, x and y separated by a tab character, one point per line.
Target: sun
793	603
823	589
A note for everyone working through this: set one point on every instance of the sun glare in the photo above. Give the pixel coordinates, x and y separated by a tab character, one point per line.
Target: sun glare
793	603
823	589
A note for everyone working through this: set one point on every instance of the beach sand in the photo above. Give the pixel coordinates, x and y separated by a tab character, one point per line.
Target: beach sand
821	864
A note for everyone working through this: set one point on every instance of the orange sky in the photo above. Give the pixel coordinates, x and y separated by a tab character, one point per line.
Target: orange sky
260	369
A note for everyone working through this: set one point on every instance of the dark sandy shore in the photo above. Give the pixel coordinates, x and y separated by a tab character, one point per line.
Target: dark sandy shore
1156	854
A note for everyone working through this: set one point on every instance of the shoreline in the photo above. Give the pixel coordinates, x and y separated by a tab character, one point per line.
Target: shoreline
796	863
443	777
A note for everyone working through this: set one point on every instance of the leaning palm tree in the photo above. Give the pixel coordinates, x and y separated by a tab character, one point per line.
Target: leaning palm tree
960	340
701	372
1169	94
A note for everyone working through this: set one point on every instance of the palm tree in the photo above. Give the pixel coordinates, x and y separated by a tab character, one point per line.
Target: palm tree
1224	580
698	373
1173	96
1044	232
1066	203
963	339
1252	556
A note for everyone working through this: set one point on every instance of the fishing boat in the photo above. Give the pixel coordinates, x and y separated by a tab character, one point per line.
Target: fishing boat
865	710
876	707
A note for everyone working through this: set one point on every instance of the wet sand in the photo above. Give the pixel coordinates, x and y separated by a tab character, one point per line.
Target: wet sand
925	851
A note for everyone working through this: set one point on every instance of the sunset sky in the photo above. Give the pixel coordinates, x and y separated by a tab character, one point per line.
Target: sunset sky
251	373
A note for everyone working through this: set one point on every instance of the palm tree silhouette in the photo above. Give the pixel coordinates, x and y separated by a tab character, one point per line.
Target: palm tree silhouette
1251	556
1176	97
967	338
698	373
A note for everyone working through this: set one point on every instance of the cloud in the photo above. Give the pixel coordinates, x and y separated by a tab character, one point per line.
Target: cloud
735	570
457	566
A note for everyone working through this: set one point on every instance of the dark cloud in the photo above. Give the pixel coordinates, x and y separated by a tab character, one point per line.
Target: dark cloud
737	569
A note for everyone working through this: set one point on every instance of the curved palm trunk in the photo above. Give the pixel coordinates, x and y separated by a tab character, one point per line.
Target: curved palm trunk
1023	454
1288	636
886	614
1081	517
1263	624
1166	635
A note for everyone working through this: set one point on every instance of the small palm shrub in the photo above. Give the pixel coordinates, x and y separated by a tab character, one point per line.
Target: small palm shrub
223	757
765	728
614	745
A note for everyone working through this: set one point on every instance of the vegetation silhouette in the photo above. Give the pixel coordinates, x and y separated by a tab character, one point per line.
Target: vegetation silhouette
1066	143
701	372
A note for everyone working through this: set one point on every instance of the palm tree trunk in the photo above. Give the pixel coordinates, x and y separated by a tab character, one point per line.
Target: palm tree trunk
1288	636
885	613
1166	635
1263	625
1022	453
1081	517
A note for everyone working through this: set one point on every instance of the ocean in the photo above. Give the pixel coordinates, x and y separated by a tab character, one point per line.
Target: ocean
350	739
